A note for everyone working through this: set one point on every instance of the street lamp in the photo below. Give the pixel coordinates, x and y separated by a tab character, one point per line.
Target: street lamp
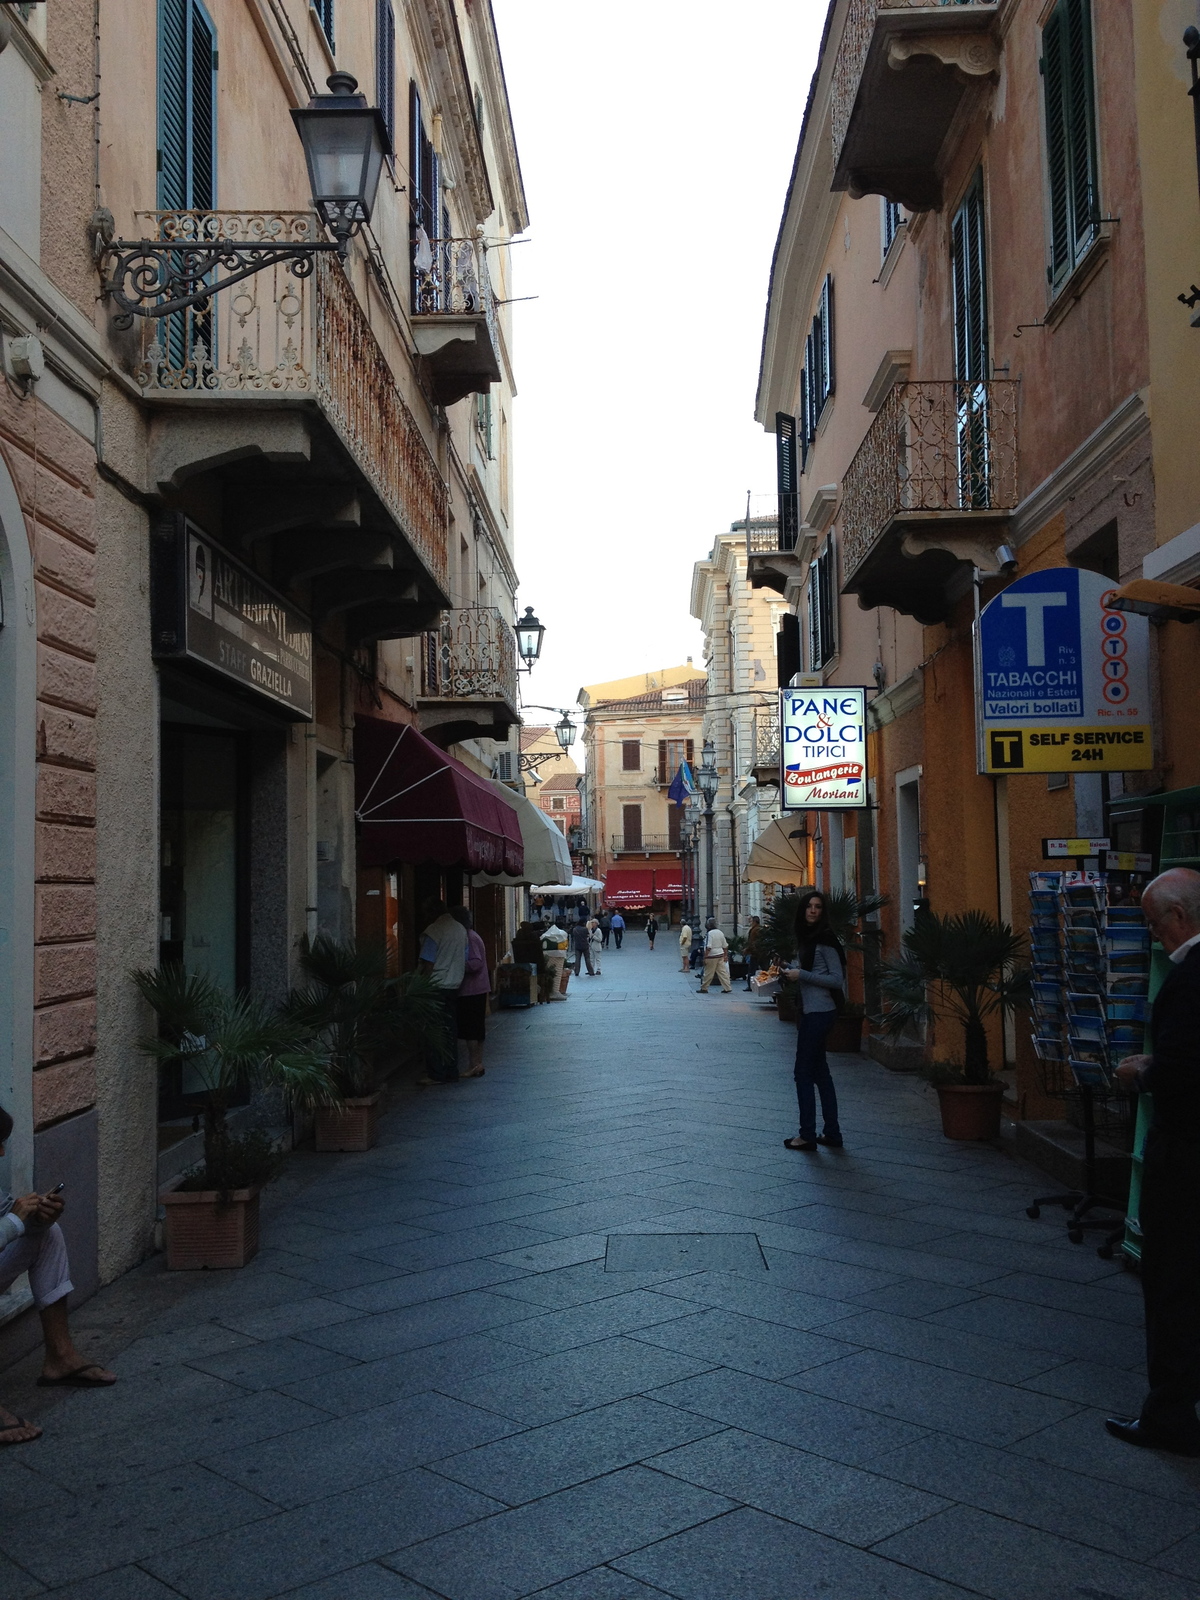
687	839
709	780
564	732
530	633
345	141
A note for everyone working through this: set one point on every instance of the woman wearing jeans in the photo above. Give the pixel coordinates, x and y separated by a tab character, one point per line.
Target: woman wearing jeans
820	971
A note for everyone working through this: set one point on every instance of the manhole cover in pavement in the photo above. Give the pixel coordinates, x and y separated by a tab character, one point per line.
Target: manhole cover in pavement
699	1252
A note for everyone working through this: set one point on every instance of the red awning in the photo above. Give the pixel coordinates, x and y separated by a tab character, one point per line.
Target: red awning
668	882
415	803
631	888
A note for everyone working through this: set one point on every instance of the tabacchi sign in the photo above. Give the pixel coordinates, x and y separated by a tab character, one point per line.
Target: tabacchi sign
823	748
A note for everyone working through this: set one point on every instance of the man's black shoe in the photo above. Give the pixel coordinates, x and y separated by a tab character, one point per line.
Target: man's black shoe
1131	1430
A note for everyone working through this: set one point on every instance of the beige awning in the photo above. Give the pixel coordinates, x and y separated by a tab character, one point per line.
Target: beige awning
547	854
779	854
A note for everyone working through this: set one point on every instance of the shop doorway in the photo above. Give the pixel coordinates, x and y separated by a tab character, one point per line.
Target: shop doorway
908	843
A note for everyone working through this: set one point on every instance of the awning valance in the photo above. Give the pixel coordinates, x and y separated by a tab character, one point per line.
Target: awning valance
547	854
415	803
779	854
630	888
668	883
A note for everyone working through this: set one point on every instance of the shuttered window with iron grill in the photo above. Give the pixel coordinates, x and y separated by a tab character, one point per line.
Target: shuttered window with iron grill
1070	96
187	143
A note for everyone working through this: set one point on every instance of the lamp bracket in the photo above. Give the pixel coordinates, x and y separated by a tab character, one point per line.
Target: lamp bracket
155	278
530	763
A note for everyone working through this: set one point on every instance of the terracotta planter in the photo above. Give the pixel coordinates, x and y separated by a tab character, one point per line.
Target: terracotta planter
354	1125
971	1110
845	1035
204	1233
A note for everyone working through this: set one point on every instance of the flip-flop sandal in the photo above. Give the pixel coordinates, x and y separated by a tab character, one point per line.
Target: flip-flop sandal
77	1380
9	1427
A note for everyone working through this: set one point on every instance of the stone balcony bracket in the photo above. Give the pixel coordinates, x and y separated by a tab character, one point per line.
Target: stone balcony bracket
903	73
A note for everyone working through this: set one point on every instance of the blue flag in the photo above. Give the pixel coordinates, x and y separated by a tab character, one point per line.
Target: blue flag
682	785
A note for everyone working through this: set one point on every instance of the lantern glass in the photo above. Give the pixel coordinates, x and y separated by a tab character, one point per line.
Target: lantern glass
345	142
565	732
708	776
529	637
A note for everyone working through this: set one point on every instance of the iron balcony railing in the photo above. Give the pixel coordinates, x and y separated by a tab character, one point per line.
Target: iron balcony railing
762	536
766	738
648	842
471	656
276	338
856	46
450	278
939	447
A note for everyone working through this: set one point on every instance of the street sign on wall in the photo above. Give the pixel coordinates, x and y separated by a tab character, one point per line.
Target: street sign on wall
1062	682
823	748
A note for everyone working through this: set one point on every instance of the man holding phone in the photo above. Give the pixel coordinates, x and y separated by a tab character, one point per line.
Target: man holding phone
32	1241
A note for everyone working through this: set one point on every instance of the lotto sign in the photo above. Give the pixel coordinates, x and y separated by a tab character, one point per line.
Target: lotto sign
823	748
1061	681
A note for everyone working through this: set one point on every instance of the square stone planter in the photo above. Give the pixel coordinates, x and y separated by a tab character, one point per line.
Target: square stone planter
351	1126
204	1231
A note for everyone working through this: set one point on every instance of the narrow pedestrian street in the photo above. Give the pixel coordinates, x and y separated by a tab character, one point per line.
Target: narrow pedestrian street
584	1329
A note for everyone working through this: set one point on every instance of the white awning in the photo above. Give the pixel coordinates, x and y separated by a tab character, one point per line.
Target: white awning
777	855
547	854
563	891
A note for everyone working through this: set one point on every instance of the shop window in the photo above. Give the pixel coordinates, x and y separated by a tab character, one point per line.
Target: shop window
631	755
822	608
1071	166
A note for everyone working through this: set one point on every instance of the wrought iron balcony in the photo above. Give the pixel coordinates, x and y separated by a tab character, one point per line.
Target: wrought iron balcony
646	844
469	677
765	756
773	561
931	487
454	317
903	68
282	340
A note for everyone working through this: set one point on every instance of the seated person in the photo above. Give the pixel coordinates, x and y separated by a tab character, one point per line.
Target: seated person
32	1241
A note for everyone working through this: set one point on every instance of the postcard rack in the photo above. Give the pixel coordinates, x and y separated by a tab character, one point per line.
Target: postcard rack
1091	975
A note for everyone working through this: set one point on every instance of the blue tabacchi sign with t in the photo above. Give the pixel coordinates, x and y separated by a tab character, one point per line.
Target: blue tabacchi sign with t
1061	679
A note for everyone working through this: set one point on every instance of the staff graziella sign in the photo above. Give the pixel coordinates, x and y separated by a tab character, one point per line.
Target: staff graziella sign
823	748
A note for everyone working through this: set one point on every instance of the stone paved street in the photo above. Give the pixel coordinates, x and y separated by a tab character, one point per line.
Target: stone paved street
884	1381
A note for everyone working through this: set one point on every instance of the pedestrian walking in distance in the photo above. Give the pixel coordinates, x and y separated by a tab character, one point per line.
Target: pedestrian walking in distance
1170	1205
685	944
752	950
820	975
652	930
597	942
605	928
581	943
716	958
618	928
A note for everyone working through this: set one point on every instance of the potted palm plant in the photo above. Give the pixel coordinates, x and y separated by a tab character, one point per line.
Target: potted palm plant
961	969
360	1015
225	1044
846	912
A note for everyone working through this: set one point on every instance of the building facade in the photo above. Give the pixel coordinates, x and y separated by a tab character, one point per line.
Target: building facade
634	743
256	554
968	342
741	643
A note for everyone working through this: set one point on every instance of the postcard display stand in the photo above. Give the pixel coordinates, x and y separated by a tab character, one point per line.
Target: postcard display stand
1091	975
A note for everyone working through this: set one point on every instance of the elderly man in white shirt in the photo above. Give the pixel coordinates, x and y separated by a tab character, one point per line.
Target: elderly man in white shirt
716	958
443	959
31	1241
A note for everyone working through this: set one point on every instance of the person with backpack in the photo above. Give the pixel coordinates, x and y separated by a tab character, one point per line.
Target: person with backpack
820	977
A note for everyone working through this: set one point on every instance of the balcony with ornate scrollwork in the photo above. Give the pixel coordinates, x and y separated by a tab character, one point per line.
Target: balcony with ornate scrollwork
775	560
454	317
284	371
929	495
469	677
764	765
902	72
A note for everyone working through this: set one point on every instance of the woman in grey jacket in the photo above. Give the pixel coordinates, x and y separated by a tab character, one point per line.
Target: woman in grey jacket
820	971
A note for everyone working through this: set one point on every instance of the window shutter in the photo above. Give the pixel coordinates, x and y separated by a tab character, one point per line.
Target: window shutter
662	761
970	287
204	112
786	480
385	64
691	751
787	649
827	352
631	755
674	825
173	97
631	826
1081	130
810	389
1053	76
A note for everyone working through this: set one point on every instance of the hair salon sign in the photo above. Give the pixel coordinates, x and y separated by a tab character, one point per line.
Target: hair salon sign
823	748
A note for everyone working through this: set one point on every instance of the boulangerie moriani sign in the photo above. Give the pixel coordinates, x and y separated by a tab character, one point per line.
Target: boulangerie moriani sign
823	748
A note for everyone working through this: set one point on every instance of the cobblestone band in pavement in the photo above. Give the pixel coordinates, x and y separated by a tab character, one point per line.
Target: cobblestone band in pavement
428	1384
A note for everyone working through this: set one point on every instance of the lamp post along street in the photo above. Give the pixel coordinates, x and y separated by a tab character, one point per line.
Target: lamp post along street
709	780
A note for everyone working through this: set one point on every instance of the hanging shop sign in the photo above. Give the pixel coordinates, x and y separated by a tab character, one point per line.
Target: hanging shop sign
1061	681
823	748
210	609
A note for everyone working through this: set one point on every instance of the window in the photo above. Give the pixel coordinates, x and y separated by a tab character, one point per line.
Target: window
674	825
893	216
631	755
1067	78
187	141
504	766
787	649
970	287
631	827
324	10
483	423
672	753
787	480
817	378
425	207
822	608
385	64
557	803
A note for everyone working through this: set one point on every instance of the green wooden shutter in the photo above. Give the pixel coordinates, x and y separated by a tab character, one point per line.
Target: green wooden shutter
385	64
827	352
787	483
173	98
203	72
971	343
1069	88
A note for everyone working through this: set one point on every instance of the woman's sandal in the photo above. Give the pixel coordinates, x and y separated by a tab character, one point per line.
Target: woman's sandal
800	1144
78	1379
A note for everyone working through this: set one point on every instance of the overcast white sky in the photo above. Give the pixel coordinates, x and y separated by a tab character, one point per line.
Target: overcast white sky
656	139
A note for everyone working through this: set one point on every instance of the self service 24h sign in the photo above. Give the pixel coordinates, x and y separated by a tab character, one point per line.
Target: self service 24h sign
823	748
1062	683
